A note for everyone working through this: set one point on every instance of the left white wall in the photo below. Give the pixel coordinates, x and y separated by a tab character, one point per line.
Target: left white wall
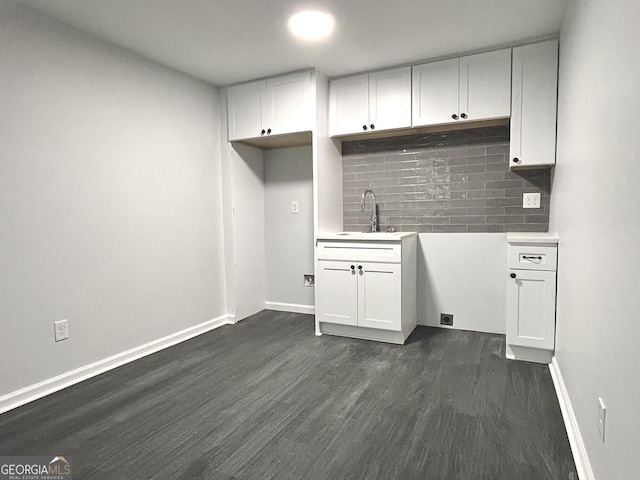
110	200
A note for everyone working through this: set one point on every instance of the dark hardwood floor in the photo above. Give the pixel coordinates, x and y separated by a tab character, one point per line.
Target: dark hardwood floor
266	399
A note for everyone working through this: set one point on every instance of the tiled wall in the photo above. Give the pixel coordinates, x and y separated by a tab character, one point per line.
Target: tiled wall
442	182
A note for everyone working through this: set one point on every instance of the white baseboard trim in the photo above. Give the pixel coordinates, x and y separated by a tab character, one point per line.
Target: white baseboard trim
290	307
578	449
33	392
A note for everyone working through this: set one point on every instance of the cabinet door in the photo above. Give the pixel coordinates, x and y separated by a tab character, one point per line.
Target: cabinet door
246	110
349	105
531	309
289	104
379	296
534	103
435	92
336	293
485	85
390	99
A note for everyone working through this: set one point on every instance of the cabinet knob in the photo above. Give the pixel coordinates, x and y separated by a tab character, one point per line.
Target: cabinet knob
516	159
269	132
463	115
372	126
364	127
353	267
360	267
513	275
262	132
454	116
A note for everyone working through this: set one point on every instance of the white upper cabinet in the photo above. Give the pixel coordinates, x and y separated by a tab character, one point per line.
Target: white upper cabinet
471	88
390	99
246	109
276	106
376	101
435	92
349	105
534	105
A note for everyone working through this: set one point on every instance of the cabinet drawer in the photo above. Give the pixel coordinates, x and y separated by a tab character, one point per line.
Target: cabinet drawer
532	257
360	251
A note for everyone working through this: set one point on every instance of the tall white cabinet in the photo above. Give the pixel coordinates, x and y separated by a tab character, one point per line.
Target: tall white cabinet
534	105
531	297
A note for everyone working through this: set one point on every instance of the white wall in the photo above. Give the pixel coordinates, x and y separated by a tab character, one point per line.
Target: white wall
247	186
110	203
595	212
464	275
288	176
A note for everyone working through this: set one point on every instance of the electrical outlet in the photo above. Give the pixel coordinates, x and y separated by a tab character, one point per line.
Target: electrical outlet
530	200
295	207
446	319
602	417
61	328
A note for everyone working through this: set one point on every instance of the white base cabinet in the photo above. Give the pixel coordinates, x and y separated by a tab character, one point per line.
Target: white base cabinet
373	294
531	300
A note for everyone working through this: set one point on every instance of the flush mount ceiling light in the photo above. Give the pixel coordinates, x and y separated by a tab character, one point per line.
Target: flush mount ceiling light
311	25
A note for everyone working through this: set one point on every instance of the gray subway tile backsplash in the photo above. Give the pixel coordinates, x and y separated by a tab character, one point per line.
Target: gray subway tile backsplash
442	182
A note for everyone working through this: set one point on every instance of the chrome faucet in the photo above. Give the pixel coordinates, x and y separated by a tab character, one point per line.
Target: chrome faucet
374	211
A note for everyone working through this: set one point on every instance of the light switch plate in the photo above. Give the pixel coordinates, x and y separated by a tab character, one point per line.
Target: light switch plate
295	207
530	200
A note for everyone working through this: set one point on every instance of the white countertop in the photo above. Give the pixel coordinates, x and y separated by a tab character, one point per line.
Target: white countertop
531	237
365	236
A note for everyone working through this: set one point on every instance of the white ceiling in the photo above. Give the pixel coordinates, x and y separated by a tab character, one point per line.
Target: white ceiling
229	41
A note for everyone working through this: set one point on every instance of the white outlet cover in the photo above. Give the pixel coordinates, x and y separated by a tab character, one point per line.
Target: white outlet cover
602	418
295	207
61	328
530	200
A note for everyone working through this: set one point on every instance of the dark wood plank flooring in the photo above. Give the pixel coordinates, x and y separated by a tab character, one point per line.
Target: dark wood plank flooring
266	399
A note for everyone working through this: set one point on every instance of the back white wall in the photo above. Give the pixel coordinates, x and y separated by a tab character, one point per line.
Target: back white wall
110	203
288	177
463	274
594	209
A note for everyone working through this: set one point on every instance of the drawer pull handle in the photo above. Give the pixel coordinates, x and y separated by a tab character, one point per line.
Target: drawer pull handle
532	257
513	275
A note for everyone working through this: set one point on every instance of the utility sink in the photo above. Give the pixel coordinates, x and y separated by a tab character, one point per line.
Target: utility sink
366	236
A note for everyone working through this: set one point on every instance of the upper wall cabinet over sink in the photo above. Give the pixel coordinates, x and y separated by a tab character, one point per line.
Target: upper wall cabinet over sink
370	102
533	111
276	106
472	88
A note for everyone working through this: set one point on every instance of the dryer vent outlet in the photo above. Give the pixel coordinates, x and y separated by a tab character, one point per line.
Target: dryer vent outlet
446	319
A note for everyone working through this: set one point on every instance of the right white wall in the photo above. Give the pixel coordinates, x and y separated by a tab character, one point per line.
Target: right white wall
594	210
